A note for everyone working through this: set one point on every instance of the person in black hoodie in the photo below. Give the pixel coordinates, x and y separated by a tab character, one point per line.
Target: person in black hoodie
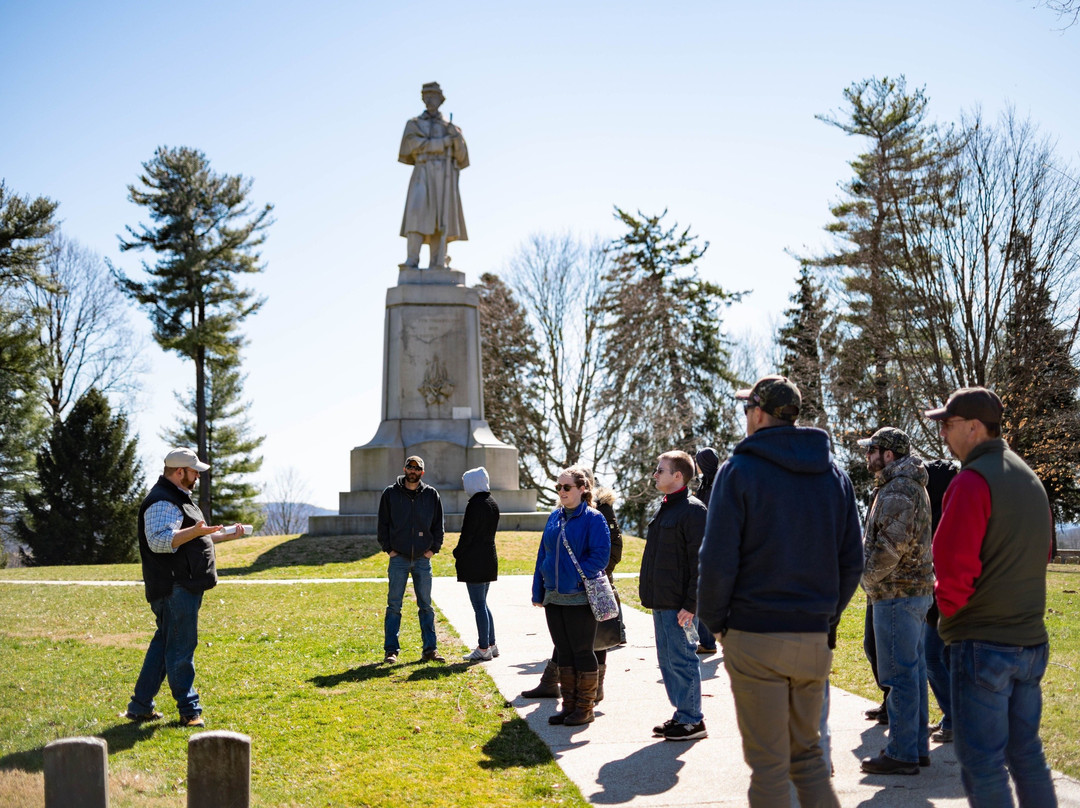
178	564
707	461
476	559
781	558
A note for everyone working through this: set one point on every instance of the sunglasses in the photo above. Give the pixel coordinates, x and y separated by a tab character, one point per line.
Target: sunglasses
413	467
564	487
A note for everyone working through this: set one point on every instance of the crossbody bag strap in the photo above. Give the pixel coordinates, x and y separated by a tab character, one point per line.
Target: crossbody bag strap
566	544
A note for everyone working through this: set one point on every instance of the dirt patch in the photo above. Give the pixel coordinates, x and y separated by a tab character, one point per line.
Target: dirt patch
20	789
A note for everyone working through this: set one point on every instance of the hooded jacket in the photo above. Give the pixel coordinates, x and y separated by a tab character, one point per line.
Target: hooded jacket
410	522
475	557
588	536
604	501
782	549
896	553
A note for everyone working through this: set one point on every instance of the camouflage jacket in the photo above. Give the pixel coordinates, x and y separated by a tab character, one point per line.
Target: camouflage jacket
896	543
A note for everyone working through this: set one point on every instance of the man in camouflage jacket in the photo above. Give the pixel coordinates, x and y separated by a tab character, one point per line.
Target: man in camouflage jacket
898	576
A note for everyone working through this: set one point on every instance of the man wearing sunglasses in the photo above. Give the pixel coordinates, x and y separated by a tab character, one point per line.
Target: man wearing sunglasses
410	532
990	554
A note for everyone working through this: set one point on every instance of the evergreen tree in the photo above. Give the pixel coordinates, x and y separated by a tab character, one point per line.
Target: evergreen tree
230	444
1037	380
805	340
205	237
666	361
512	375
89	479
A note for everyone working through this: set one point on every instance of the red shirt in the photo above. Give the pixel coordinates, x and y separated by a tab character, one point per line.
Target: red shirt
965	511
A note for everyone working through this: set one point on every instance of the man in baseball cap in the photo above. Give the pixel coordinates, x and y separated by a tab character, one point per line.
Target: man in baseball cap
178	564
775	395
990	554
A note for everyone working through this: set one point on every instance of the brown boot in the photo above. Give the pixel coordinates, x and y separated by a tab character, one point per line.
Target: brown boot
586	698
602	670
549	684
568	685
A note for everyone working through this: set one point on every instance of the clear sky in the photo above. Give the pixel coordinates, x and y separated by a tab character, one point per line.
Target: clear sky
704	108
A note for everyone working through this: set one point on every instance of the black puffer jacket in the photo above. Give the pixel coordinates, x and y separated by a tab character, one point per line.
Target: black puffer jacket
669	567
476	559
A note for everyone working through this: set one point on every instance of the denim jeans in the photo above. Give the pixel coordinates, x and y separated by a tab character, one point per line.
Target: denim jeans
898	631
705	637
398	572
171	654
937	671
679	666
997	704
826	733
485	626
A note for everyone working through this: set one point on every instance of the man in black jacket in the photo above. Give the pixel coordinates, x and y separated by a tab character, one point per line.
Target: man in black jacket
178	565
668	586
411	532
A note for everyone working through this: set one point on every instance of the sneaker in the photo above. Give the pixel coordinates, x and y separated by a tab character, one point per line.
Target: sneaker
153	715
659	730
686	732
942	736
192	721
494	650
479	655
703	651
432	656
883	764
391	658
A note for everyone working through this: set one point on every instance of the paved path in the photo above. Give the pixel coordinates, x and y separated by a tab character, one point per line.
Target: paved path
616	761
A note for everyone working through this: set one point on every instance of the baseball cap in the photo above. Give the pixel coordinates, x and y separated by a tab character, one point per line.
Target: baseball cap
183	458
776	395
970	403
888	437
417	460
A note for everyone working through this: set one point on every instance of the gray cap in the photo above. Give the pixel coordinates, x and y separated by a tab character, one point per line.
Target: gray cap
183	458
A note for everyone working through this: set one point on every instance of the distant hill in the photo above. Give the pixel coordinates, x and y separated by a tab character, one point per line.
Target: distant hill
290	517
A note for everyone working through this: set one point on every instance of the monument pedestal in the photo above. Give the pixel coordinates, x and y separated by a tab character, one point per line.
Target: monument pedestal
432	406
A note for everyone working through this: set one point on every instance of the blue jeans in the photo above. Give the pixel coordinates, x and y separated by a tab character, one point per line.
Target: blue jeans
937	671
705	637
398	572
679	666
171	654
826	733
997	704
898	631
485	626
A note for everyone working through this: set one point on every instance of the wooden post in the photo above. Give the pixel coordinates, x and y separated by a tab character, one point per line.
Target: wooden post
219	770
77	773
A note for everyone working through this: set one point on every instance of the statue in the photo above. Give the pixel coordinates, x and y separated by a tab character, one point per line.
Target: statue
436	150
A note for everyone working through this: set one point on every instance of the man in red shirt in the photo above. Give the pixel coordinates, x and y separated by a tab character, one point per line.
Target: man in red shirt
990	553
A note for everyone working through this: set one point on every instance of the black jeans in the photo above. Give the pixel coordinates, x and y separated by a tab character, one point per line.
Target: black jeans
573	630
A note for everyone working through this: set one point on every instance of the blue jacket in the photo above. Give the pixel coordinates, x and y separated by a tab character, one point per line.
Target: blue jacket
589	538
783	545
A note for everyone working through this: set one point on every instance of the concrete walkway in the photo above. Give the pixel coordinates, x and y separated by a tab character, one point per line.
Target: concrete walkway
616	761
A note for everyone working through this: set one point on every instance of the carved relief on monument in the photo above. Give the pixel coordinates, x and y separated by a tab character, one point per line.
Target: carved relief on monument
436	387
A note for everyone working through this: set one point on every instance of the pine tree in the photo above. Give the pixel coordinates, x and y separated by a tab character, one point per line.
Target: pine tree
206	238
89	479
666	358
805	340
1037	380
512	368
230	444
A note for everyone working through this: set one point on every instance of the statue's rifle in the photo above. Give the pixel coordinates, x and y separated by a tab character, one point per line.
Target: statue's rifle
447	194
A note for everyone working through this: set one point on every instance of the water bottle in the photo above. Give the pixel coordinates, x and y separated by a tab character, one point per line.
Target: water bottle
691	632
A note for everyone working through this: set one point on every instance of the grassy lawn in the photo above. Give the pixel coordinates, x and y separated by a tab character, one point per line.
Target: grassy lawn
296	669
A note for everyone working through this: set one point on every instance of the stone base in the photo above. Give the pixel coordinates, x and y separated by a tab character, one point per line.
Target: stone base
367	524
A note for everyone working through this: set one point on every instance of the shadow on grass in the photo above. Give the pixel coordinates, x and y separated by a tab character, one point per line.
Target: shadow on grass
515	746
310	551
361	673
119	738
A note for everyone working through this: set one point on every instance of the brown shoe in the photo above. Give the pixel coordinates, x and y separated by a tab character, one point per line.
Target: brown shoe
549	684
192	721
432	656
138	718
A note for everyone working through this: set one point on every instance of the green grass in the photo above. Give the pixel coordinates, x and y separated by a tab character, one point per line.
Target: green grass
296	669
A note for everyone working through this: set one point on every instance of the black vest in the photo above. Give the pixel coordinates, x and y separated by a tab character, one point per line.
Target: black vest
192	566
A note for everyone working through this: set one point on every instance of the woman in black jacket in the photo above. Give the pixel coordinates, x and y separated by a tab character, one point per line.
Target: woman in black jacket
476	559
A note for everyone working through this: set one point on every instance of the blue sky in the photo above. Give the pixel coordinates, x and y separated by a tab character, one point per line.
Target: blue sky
706	109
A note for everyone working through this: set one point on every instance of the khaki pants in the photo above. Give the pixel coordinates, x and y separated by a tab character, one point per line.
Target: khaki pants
778	681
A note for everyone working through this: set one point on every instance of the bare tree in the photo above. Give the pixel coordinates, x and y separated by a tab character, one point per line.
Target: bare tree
1067	10
85	338
286	509
563	285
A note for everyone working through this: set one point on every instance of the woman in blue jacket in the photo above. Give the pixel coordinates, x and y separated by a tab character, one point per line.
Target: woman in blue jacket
558	587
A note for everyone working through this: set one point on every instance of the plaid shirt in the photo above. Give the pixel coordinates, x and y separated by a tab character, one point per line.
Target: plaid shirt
162	520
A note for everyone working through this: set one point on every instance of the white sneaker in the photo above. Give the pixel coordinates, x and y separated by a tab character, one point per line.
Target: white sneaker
494	650
479	655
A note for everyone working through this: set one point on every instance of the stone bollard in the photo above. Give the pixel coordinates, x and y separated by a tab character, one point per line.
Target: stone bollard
77	773
219	770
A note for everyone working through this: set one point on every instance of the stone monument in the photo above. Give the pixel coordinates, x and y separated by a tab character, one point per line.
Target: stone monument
432	388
